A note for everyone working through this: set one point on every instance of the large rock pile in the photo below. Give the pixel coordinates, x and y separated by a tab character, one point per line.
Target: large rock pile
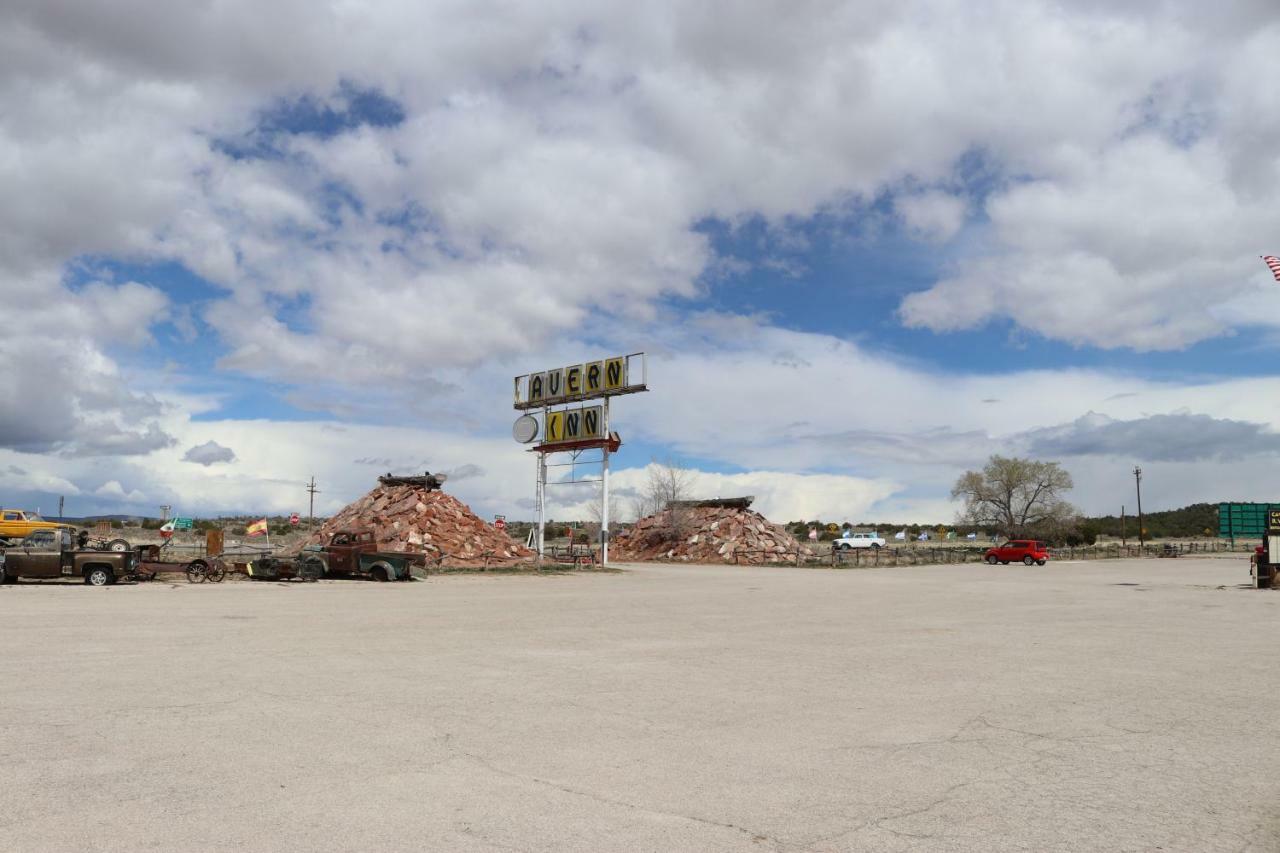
707	534
409	518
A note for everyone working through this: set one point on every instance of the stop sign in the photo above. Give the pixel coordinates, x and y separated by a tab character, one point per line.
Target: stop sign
293	519
500	523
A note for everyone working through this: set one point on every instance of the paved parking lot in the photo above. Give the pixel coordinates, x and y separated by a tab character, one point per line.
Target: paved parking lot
1120	705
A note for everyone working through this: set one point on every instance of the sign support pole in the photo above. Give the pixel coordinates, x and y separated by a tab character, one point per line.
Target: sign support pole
541	505
604	492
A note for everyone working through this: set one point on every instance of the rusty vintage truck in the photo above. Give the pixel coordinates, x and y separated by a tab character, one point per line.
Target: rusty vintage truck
355	552
348	553
51	554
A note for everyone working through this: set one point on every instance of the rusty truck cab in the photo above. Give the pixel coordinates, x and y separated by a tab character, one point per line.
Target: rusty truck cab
345	548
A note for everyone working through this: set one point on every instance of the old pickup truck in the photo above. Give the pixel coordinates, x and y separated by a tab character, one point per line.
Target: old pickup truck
48	554
354	552
18	524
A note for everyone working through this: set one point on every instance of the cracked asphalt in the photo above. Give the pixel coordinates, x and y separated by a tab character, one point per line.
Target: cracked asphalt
1121	705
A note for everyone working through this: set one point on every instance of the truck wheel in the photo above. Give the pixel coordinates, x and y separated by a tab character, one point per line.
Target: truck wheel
118	545
875	545
98	576
1040	562
1028	560
991	561
380	573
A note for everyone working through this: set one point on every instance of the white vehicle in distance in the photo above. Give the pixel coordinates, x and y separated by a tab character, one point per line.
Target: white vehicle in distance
857	540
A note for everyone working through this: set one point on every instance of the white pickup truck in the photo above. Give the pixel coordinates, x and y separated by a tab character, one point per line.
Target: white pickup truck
857	540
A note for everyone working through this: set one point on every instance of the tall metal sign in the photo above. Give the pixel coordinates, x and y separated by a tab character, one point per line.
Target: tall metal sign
573	402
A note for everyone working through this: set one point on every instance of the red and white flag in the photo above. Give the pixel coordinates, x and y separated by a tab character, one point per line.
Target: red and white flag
166	529
1273	262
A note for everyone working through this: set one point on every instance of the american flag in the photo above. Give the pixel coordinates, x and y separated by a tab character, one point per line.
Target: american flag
1273	262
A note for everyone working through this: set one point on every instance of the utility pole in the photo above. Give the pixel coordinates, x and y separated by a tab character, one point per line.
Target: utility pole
1124	540
311	513
1137	479
61	498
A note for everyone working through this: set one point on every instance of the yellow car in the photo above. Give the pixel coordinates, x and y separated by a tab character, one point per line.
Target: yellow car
17	524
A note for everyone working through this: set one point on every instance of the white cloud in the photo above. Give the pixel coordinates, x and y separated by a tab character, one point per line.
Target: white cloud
113	490
933	216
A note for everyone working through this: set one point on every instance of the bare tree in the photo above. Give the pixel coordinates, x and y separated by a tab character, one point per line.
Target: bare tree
594	510
1015	496
668	482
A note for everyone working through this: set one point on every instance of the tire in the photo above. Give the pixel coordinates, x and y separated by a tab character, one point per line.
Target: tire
875	546
380	572
1040	562
98	576
1004	562
1028	560
216	571
118	545
991	561
196	571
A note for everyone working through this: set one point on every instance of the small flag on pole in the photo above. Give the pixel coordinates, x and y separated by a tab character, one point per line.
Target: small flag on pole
1273	262
166	529
257	528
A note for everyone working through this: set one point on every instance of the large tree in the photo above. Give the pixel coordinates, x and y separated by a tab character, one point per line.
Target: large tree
1015	496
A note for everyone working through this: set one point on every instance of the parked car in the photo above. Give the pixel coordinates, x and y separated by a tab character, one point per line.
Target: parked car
857	540
1027	551
49	554
18	524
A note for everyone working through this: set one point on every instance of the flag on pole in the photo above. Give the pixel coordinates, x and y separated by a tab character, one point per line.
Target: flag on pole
258	528
1274	263
166	529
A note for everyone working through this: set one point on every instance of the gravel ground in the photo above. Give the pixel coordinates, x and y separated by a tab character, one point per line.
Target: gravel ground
1118	705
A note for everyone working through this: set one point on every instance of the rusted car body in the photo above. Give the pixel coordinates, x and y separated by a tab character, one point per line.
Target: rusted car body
355	552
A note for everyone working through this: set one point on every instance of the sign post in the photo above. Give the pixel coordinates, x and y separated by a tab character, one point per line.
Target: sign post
575	428
604	492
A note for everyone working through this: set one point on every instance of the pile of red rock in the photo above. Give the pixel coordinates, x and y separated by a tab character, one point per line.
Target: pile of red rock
707	534
412	519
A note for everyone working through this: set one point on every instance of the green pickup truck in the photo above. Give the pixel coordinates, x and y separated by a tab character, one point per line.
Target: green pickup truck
51	554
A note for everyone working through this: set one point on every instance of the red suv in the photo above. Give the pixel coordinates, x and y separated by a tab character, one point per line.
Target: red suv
1029	551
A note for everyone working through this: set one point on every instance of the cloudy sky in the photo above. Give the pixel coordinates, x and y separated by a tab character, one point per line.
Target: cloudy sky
865	244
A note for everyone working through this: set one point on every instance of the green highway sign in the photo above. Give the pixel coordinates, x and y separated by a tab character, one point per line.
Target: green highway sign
182	524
